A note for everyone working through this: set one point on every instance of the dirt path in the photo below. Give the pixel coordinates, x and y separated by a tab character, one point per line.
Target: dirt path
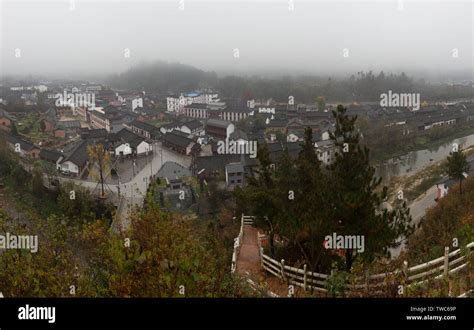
249	256
248	265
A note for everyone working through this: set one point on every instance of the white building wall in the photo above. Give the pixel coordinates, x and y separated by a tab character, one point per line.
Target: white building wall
230	130
124	149
292	138
185	129
69	167
136	103
266	110
143	148
325	136
177	104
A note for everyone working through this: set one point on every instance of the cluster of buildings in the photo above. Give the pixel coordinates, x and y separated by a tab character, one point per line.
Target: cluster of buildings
73	158
195	123
199	121
421	121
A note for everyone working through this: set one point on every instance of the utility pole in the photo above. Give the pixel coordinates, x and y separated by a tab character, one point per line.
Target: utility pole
118	186
161	152
151	162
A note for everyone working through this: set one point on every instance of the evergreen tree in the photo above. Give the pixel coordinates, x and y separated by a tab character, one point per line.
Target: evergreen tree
285	189
311	203
457	166
14	130
356	204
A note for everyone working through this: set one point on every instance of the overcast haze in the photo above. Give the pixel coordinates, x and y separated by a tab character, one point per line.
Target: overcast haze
91	39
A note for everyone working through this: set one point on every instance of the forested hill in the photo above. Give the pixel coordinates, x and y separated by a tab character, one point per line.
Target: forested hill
360	87
164	77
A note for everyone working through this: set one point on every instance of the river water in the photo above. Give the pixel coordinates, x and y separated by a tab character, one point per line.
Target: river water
415	161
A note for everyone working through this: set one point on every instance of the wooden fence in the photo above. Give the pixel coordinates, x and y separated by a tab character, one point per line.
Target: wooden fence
450	263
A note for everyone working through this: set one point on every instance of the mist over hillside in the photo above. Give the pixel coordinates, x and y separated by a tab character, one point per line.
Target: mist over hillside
163	76
174	78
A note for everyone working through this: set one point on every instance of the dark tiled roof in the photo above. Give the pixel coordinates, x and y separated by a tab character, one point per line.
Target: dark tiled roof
316	135
193	124
318	114
68	124
171	125
196	106
6	114
218	123
94	133
195	148
238	134
237	110
178	132
277	123
129	137
78	155
25	145
98	114
234	168
177	139
258	136
145	126
276	149
325	143
298	132
50	155
219	162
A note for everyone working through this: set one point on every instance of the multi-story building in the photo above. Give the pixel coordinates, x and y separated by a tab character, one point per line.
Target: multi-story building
177	103
219	129
234	114
82	112
216	111
193	127
145	130
196	110
99	120
111	119
137	103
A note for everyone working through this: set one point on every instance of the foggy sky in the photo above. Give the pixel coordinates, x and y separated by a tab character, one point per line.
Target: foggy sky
92	38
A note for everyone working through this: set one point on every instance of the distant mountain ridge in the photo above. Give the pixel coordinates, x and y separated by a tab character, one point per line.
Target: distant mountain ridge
163	76
176	78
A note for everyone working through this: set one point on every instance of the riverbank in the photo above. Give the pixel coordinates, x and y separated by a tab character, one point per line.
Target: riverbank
416	184
418	144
